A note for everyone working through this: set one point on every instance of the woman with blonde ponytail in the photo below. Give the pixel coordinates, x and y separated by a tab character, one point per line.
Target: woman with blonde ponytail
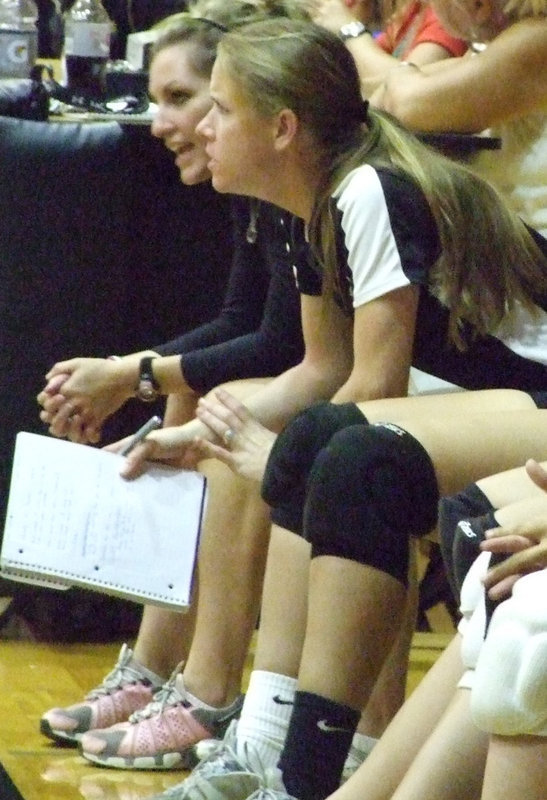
417	261
345	140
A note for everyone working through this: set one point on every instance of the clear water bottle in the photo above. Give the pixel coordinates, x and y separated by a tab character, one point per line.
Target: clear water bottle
88	30
18	37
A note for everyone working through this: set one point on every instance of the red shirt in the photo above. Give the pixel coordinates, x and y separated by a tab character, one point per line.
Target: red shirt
418	24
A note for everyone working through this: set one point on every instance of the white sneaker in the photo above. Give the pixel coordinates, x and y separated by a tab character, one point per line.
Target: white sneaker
223	775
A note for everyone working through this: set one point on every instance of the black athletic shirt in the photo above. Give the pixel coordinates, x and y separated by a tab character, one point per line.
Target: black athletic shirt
258	333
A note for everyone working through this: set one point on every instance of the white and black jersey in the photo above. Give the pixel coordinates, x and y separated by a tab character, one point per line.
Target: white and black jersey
387	239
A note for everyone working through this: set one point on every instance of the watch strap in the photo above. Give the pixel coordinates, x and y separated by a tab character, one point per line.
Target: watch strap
148	387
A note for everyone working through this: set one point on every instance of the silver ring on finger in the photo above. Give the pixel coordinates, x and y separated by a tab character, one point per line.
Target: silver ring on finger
228	437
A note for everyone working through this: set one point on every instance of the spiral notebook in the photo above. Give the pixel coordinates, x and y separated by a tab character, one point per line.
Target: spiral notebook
73	521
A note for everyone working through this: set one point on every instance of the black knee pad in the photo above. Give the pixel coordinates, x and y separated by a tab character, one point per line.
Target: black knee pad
370	489
463	519
291	458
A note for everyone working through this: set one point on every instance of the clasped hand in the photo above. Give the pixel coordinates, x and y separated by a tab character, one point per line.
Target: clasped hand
525	542
79	395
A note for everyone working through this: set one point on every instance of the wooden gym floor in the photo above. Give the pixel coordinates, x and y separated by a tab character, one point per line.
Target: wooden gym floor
37	676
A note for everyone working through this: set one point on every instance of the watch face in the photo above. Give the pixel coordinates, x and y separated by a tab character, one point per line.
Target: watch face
146	391
352	30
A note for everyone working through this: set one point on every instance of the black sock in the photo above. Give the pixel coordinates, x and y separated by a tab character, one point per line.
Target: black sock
318	741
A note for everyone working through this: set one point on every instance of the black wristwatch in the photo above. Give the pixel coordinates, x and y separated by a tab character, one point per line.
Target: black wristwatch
352	30
147	389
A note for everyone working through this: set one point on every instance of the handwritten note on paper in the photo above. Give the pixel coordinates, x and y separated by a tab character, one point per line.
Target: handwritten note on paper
70	515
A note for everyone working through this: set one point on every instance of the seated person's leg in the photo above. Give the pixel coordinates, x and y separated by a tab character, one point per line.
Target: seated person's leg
402	746
430	749
160	626
389	690
293	454
231	568
515	767
504	645
269	700
232	558
369	490
463	759
163	641
234	541
470	447
443	406
509	683
457	458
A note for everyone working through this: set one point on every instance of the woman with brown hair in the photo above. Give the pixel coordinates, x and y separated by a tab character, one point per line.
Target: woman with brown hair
418	260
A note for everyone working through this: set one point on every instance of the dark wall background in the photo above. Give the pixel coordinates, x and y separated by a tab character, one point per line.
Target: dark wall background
102	250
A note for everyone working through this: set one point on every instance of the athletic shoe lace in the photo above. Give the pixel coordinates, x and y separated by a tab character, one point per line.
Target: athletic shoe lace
122	673
167	695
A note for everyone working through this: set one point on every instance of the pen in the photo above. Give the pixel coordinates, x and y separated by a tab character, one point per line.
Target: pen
144	430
